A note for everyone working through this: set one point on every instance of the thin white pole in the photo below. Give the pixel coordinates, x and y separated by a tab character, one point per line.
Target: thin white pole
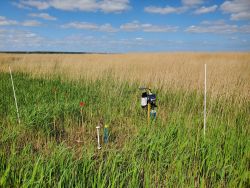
98	137
205	98
18	117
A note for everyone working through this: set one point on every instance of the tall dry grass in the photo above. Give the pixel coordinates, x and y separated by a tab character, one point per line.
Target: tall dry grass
228	74
55	144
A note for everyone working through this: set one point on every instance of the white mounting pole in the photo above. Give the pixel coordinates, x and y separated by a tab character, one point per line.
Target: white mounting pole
205	98
98	137
18	117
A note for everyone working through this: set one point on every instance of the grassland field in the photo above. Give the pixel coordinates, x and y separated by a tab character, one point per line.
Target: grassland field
55	145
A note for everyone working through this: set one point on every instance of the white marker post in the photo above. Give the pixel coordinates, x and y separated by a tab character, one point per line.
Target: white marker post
98	137
205	98
18	117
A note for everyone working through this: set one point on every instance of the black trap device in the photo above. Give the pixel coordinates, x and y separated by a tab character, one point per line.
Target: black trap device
148	100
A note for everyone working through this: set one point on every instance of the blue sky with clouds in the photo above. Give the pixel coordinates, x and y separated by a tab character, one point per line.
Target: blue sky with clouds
125	25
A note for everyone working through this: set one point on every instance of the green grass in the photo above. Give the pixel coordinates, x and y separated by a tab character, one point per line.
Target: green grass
172	152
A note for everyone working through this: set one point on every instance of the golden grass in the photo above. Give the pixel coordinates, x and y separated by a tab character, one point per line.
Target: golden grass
228	74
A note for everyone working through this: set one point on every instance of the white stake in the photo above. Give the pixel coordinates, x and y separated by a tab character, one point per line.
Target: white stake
18	117
205	98
98	137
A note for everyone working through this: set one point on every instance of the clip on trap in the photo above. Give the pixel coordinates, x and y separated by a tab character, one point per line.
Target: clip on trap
148	99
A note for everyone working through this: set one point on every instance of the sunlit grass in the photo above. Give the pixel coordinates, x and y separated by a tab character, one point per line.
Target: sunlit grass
52	147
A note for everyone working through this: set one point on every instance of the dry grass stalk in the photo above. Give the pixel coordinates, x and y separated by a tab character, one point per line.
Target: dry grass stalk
228	73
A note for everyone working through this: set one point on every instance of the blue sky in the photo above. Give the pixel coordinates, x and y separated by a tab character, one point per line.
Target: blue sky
125	25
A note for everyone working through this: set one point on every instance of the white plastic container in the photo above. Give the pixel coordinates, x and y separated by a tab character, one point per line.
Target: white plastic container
144	101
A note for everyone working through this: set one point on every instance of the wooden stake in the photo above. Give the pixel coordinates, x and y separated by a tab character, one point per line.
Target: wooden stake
149	108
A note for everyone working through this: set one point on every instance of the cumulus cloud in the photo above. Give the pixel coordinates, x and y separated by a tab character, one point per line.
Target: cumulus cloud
5	22
44	16
81	5
191	2
186	5
19	39
33	3
81	25
138	38
28	23
90	26
204	10
245	29
132	26
107	28
241	16
218	27
164	10
127	27
26	40
137	26
114	5
239	9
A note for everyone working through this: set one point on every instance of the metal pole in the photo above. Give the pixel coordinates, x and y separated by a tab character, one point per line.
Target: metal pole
205	98
18	117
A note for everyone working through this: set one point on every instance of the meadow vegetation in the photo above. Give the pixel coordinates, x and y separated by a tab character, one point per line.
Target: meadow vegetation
55	144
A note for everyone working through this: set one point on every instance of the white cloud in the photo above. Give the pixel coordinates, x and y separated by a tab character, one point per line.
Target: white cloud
213	22
239	9
82	5
80	42
245	29
212	29
27	23
34	3
44	16
186	5
139	38
241	16
19	5
235	6
90	26
30	41
157	28
81	25
204	10
132	26
107	43
127	27
30	23
191	2
5	22
164	10
19	39
114	5
137	26
218	27
107	28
